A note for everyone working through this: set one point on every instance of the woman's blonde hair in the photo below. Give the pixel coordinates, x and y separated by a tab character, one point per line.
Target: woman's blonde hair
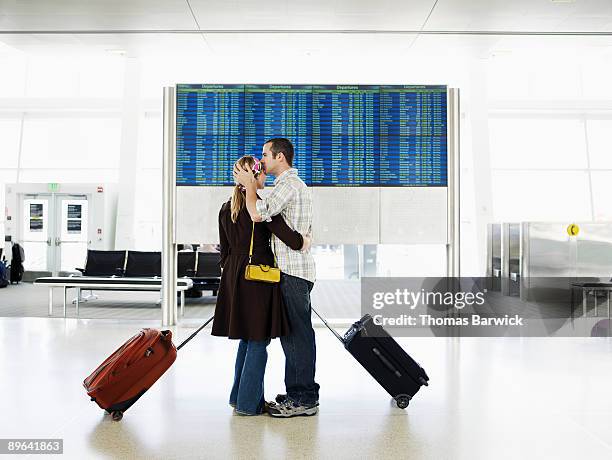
238	198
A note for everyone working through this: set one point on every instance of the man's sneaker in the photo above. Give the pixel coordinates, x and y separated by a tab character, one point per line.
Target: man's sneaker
291	409
282	398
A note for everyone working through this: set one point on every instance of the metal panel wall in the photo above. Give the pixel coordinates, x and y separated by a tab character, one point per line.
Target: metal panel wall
534	254
413	215
341	215
494	256
594	250
346	215
197	213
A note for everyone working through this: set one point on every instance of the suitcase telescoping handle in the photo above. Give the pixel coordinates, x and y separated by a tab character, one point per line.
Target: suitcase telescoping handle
195	333
328	326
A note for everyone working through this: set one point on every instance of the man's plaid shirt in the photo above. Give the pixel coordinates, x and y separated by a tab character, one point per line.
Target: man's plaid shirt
292	199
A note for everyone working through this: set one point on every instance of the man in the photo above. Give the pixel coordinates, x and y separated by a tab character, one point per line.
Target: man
292	199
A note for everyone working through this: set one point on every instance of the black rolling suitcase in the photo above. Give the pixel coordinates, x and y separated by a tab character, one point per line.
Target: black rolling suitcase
17	263
383	358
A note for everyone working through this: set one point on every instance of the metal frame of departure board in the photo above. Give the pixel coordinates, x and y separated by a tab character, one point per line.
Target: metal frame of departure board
344	135
170	222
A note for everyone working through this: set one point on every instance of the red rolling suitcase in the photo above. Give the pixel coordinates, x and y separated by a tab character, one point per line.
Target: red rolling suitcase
132	369
385	360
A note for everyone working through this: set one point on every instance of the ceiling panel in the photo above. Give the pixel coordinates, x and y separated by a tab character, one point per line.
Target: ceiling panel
468	15
522	15
95	15
313	14
316	14
212	14
240	15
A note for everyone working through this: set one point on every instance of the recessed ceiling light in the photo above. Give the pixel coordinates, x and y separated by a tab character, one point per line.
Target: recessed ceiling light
118	52
563	1
499	53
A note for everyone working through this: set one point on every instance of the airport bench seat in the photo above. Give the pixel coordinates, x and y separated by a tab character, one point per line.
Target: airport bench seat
137	271
203	268
109	284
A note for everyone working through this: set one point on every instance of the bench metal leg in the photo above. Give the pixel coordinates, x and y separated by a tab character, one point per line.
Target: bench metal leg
65	289
85	298
182	303
51	301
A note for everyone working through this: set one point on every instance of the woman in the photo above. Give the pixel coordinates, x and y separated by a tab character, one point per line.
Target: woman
252	311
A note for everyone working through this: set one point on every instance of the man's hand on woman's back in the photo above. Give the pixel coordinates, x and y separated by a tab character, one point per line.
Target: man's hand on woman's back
307	243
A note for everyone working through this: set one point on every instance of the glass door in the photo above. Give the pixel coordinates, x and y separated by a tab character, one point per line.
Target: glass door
36	232
54	232
72	229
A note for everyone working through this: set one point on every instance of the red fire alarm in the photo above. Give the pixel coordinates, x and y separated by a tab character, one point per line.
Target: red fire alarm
100	189
99	231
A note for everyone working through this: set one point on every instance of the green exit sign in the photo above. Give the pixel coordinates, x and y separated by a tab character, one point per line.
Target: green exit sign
53	187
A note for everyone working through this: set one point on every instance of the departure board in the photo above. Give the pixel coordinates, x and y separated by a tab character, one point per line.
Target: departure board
209	133
412	136
343	135
279	111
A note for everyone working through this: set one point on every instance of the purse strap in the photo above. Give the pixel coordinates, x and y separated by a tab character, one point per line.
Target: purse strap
251	248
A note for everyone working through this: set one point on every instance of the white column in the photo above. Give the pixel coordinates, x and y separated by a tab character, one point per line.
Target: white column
453	251
169	309
128	166
481	162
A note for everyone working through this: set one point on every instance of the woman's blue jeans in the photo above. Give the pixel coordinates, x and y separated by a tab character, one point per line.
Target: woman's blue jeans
247	393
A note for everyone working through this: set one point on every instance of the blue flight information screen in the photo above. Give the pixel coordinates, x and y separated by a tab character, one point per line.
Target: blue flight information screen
343	135
346	135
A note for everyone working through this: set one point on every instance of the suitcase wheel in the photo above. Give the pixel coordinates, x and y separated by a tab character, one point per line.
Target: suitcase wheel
117	415
402	401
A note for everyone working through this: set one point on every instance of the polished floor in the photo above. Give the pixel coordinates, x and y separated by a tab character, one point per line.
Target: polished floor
496	398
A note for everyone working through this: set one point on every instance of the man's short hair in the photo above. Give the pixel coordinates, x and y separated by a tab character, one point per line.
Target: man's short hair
280	144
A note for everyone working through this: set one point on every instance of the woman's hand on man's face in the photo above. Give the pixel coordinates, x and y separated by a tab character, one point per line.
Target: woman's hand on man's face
243	176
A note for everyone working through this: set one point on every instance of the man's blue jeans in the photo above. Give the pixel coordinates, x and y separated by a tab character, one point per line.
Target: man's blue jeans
248	390
299	346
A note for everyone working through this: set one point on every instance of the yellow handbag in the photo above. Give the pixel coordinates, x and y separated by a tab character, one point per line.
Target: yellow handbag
260	272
